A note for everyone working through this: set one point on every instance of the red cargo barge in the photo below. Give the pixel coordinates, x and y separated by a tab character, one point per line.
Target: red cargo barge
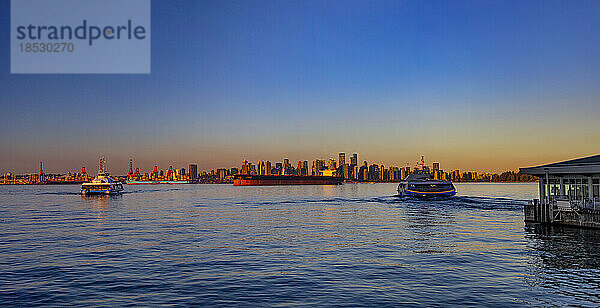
264	180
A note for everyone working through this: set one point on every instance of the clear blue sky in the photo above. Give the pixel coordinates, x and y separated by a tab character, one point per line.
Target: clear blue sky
481	85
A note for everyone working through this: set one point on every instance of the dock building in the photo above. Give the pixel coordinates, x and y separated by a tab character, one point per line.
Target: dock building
569	193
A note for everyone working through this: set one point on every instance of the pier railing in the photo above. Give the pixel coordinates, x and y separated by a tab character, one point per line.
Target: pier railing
567	203
564	211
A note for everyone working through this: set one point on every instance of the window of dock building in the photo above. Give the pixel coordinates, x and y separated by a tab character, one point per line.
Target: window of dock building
554	185
576	188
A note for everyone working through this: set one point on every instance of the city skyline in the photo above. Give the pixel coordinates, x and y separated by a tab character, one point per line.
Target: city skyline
478	85
352	171
337	160
120	163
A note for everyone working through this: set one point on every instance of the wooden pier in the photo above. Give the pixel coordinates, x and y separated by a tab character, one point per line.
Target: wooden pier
538	212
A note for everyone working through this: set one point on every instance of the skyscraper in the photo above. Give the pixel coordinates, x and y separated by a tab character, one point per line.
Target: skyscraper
318	165
170	174
354	159
155	172
222	173
363	173
286	166
341	159
193	171
345	171
301	168
436	167
332	164
245	167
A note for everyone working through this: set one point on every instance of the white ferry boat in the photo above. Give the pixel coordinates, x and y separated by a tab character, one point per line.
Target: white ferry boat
103	184
422	184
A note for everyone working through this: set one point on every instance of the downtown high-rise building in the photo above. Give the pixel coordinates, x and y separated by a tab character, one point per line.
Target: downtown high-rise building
345	171
363	172
287	167
354	159
222	173
302	167
193	171
318	165
341	159
332	164
245	167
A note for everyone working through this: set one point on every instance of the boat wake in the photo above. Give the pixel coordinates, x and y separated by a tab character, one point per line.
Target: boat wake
61	193
484	203
467	202
145	191
457	202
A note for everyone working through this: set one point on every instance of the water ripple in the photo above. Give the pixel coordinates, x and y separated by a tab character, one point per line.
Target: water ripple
348	245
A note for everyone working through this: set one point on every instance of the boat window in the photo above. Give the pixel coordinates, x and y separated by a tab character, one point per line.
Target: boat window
95	187
431	187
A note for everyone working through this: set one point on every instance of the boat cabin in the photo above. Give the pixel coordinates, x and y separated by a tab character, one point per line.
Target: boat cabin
430	187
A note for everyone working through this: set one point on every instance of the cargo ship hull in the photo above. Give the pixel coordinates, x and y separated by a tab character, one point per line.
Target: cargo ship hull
156	182
273	180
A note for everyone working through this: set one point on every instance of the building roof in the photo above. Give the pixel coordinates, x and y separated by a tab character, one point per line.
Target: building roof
585	165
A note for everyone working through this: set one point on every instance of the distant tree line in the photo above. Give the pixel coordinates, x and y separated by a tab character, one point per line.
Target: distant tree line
507	176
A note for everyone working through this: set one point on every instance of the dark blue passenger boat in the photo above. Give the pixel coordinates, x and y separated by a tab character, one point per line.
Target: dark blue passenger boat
421	183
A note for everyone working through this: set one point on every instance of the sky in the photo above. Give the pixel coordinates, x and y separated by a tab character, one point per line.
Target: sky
474	85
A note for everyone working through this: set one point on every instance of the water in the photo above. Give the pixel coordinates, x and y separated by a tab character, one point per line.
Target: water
354	244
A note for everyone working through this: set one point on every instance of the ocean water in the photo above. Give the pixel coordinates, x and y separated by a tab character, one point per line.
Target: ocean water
347	245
